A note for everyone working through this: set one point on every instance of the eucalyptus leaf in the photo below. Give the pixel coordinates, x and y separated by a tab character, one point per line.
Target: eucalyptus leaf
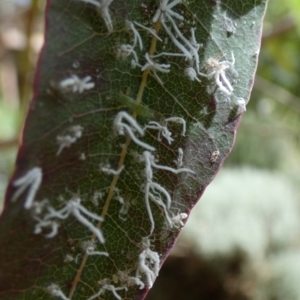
136	107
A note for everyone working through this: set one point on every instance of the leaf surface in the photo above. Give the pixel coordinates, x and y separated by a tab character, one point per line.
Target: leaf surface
71	136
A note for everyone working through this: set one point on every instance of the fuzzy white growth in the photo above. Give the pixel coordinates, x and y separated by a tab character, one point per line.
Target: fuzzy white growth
148	265
72	134
124	209
117	196
179	161
135	64
216	70
111	288
31	180
228	24
48	223
68	258
129	280
190	72
107	170
75	84
96	197
89	248
121	127
82	156
104	6
177	220
154	67
125	204
54	290
77	257
38	206
73	207
125	50
150	30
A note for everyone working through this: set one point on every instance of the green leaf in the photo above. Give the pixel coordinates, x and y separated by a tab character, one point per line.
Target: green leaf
93	165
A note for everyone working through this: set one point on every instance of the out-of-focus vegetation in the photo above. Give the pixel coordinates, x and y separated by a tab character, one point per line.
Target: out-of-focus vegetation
242	241
21	38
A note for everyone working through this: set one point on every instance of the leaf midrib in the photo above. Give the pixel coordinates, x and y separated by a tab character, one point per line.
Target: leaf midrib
123	154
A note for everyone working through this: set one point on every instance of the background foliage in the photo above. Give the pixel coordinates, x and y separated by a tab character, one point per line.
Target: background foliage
267	141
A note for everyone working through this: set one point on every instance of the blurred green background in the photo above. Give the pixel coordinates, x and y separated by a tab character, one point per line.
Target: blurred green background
242	240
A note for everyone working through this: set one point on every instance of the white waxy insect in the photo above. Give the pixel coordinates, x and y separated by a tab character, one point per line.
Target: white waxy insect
70	136
163	129
125	50
150	30
149	160
178	120
107	170
155	67
127	280
54	290
76	85
177	220
31	180
148	265
74	207
68	258
38	206
216	70
89	248
125	204
111	288
96	197
189	47
103	5
165	7
241	103
154	191
191	73
46	224
133	127
136	36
